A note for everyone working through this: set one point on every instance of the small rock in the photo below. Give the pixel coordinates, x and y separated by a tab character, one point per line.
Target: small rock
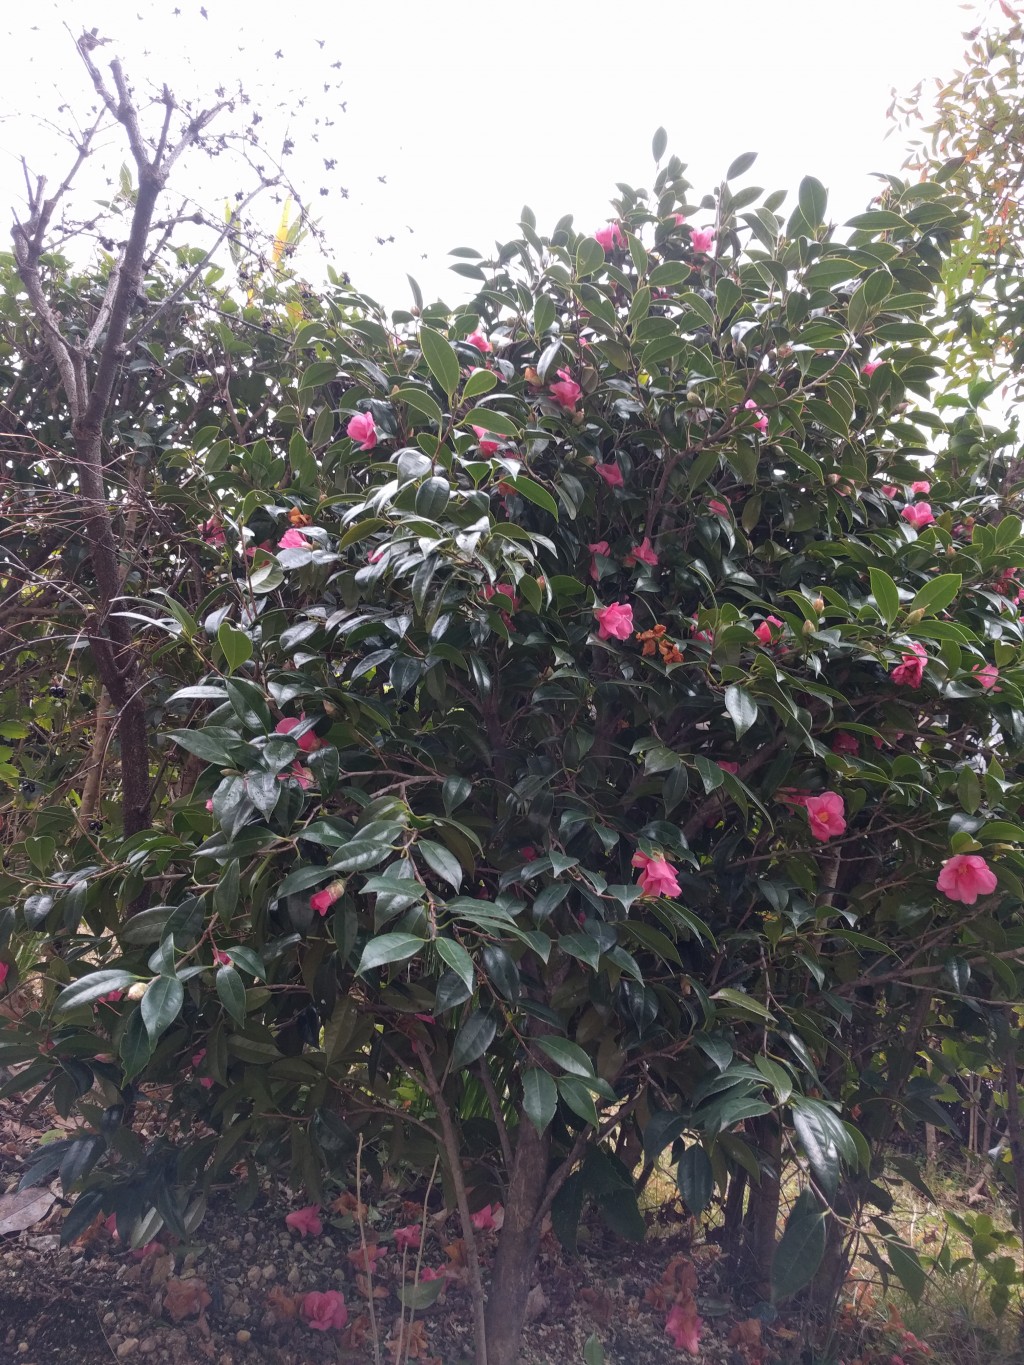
231	1244
127	1346
270	1272
148	1345
294	1276
109	1319
253	1274
243	1337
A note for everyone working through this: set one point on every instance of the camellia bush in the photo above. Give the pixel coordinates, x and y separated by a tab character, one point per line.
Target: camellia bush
584	731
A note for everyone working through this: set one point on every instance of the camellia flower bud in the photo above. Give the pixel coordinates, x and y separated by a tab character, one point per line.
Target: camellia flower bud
809	628
819	605
914	616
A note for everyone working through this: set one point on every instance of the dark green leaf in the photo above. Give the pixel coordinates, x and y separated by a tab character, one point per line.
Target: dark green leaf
695	1179
231	993
886	595
800	1249
388	948
540	1097
162	1004
89	988
473	1038
441	359
741	707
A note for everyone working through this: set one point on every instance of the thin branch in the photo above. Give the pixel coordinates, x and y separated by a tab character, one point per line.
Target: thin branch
484	1072
452	1155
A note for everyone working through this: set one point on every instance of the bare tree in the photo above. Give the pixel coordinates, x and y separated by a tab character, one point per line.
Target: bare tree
88	367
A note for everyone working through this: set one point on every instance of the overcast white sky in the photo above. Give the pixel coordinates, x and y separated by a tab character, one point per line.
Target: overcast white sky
470	110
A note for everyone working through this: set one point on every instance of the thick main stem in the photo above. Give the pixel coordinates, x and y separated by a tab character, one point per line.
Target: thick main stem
452	1155
517	1247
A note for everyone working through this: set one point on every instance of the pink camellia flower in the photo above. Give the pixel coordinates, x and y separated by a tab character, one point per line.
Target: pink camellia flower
610	237
111	998
221	958
719	509
293	540
684	1327
481	343
307	742
987	676
427	1274
487	445
599	547
303	776
768	631
528	853
362	430
486	1219
197	1060
324	1312
826	814
679	219
322	901
614	622
910	672
657	876
728	766
919	514
702	240
611	473
921	486
642	553
406	1239
306	1222
506	590
965	877
213	532
842	743
375	556
567	392
869	367
209	803
707	635
890	490
5	971
761	424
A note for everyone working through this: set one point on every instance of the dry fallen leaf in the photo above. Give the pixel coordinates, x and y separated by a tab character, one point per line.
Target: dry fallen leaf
410	1344
380	1291
282	1304
747	1333
536	1303
599	1305
348	1203
358	1332
23	1209
185	1299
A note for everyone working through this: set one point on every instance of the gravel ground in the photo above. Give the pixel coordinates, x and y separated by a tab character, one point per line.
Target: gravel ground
233	1296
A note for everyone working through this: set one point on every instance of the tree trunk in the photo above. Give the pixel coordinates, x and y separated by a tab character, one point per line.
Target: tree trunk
762	1219
732	1217
517	1247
